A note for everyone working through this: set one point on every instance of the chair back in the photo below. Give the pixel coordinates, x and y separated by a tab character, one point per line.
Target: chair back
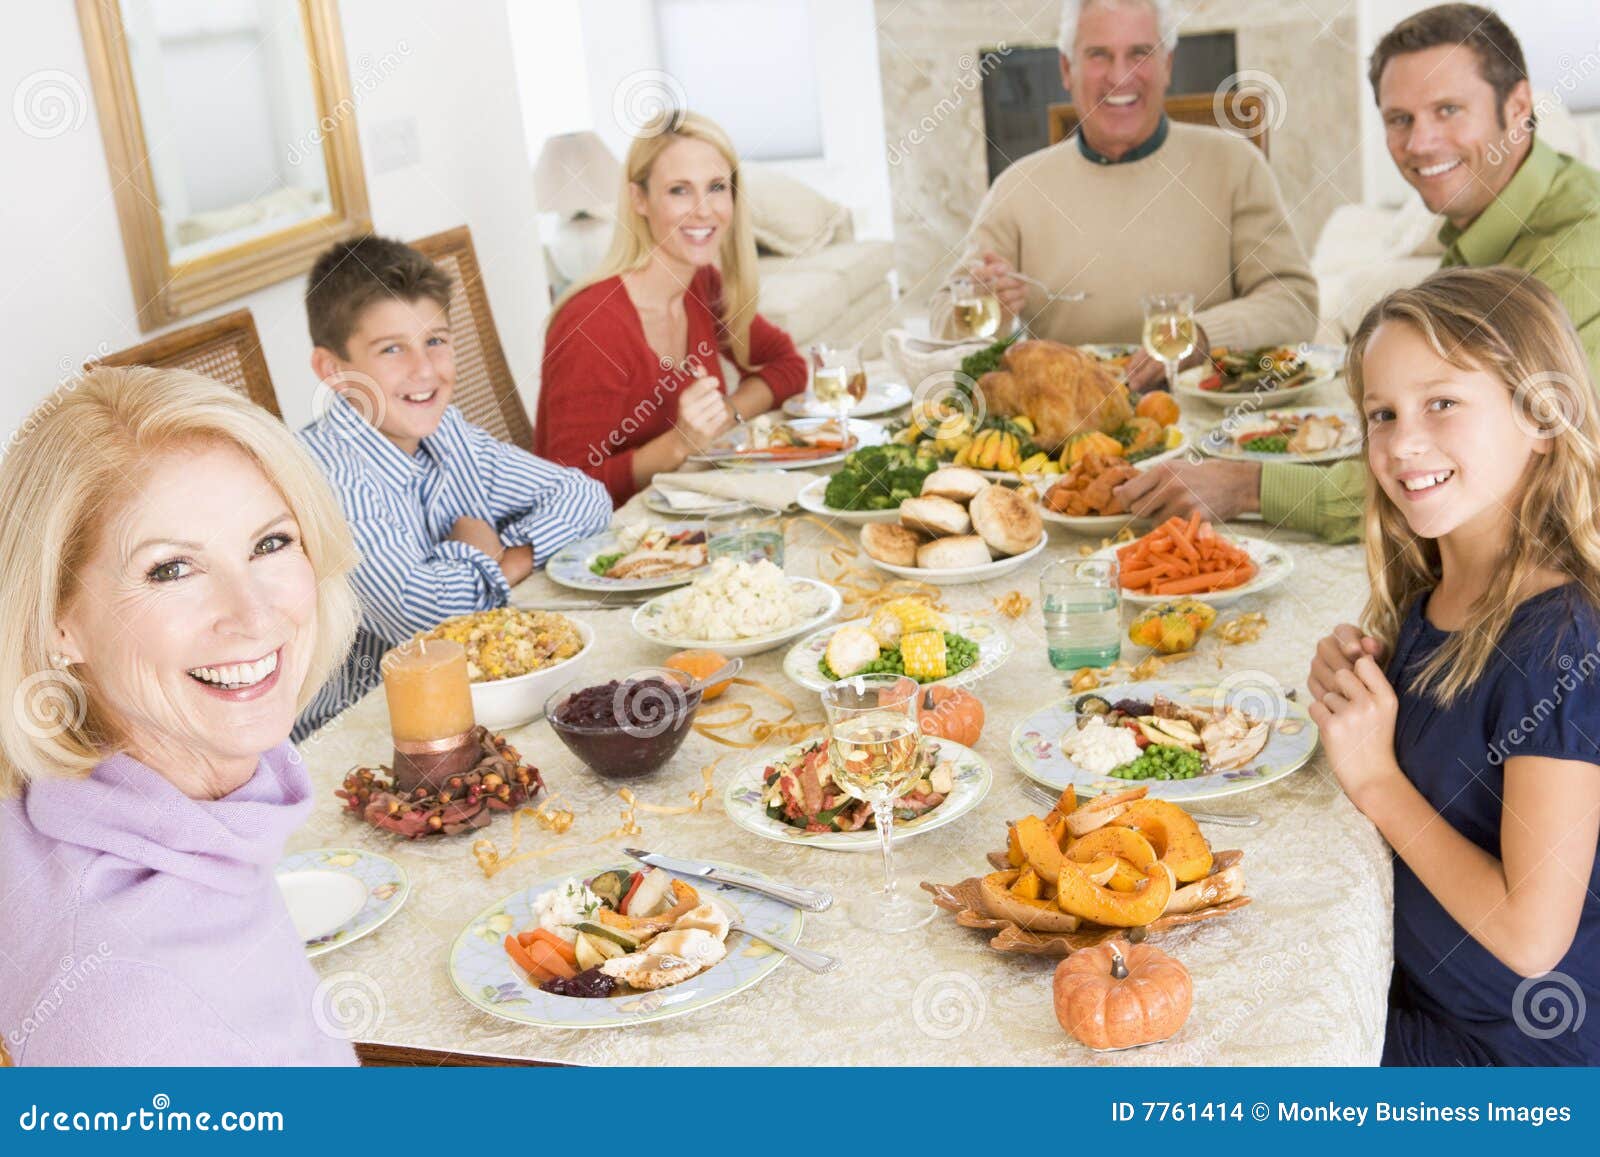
226	349
1240	110
485	391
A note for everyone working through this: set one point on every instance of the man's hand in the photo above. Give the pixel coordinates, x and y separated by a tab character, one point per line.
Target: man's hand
478	533
1339	652
1218	490
703	413
1146	373
996	274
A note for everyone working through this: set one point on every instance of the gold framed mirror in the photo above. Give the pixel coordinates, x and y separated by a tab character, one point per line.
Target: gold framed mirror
230	132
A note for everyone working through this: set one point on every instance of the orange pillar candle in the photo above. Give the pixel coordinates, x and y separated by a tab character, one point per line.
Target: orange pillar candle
429	695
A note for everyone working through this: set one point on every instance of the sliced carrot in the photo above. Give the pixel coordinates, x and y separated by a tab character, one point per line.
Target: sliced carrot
519	956
1134	579
1194	524
549	959
1217	581
566	951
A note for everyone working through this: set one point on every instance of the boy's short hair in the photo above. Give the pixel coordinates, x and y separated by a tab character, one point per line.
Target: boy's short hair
1500	59
351	275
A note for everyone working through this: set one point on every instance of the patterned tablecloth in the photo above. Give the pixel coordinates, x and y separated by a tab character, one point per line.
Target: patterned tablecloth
1299	976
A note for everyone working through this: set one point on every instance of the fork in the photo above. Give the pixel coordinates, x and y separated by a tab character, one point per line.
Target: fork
1051	294
1224	819
812	959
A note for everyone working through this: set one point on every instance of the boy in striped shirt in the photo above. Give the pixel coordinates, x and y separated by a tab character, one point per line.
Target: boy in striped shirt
447	517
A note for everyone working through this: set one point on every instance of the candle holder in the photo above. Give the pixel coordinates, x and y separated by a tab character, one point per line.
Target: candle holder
440	801
430	764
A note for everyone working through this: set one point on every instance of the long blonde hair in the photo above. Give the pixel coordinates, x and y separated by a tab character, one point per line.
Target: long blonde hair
631	243
68	472
1503	322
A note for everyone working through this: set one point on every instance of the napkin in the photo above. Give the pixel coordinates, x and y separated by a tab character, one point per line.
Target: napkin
775	490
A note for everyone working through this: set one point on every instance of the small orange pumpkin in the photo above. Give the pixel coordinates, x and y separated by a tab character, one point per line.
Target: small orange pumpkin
1117	995
699	664
1160	406
951	713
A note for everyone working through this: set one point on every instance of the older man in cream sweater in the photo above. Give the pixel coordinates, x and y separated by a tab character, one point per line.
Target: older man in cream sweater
1135	204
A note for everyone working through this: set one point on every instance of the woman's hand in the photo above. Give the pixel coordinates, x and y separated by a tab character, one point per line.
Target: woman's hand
1339	652
1357	718
703	413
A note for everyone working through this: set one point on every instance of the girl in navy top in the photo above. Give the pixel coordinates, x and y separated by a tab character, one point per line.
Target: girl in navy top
1465	720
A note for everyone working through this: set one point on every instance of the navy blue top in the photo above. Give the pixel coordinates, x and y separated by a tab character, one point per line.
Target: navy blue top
1537	697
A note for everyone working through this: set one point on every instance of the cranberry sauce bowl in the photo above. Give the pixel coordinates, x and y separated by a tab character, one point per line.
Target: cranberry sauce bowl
628	727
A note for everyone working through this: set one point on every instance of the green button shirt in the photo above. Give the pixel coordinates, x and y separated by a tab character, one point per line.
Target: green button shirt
1545	221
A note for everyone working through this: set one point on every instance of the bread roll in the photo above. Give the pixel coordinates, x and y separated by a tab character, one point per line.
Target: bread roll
891	543
957	483
937	517
1005	520
953	553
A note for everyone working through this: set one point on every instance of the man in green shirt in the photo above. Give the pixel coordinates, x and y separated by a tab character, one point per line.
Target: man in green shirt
1452	86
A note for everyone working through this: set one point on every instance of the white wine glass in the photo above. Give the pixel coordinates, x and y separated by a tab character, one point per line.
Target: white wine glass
873	738
974	308
1169	330
838	380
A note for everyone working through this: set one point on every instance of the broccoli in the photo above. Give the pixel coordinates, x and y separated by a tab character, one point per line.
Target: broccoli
878	478
975	365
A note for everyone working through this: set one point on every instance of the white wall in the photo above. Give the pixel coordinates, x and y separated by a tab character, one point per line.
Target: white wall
66	294
620	54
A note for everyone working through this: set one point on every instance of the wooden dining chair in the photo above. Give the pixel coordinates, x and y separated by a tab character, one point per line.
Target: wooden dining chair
485	393
1242	110
226	349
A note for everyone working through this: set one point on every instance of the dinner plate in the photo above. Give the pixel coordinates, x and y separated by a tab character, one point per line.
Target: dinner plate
819	603
338	895
487	979
656	501
1273	565
1222	440
994	648
1036	741
881	398
956	576
1327	363
742	801
864	433
569	566
813	499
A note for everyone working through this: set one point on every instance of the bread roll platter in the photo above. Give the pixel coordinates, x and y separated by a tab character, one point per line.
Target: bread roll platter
962	528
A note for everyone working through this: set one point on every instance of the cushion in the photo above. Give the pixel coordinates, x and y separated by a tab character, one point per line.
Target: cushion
861	265
789	216
802	302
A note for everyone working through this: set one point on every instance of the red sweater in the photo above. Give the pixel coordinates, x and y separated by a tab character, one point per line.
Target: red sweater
604	391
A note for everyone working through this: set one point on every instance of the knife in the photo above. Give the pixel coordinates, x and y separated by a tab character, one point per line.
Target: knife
810	900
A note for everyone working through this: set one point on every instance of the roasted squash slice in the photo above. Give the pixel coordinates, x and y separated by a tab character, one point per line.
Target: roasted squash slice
1173	834
1081	896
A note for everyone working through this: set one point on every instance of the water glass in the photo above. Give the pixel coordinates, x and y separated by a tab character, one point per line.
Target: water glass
746	538
1082	606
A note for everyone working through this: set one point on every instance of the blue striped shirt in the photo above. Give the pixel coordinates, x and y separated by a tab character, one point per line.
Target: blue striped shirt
401	508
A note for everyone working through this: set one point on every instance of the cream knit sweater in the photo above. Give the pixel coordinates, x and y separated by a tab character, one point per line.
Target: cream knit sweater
1200	214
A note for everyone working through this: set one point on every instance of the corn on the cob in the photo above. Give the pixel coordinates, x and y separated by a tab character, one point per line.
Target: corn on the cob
922	654
915	614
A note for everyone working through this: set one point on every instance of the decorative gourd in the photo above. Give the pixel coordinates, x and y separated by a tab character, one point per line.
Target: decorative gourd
1174	835
951	713
1117	995
1094	442
1158	405
1079	894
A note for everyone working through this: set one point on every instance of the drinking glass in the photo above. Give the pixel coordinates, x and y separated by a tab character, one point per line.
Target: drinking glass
974	309
838	380
1169	330
1082	606
872	748
745	537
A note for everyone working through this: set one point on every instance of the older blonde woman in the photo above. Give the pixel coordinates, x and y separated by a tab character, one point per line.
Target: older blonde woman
632	381
174	568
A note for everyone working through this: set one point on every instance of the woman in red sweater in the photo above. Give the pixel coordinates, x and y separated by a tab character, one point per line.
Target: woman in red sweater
632	382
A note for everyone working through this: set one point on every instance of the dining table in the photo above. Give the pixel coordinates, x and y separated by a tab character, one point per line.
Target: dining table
1299	976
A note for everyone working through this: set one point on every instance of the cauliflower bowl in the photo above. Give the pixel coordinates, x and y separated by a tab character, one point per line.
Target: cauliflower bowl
737	609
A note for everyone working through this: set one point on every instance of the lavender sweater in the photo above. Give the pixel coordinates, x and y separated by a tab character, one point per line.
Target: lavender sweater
141	927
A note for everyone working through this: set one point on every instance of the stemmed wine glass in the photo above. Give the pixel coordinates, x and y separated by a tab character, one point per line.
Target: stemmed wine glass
873	738
1169	330
838	379
974	308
